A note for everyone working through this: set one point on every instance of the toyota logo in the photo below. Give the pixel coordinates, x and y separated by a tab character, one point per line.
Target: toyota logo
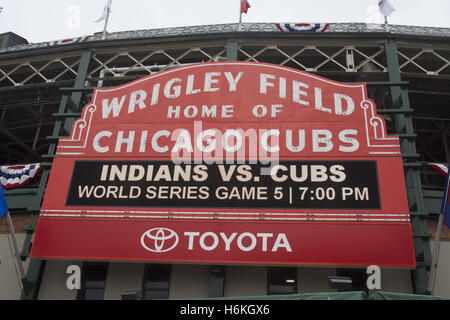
159	240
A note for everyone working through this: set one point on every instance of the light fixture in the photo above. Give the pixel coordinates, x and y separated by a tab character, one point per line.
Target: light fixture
290	281
132	295
340	283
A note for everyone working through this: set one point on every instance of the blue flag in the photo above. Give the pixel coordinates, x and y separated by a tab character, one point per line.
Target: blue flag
3	206
445	206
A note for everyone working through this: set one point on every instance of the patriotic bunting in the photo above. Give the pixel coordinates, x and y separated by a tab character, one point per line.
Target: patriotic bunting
302	27
67	41
18	176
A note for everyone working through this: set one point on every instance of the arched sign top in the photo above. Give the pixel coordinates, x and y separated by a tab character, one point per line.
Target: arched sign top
237	95
241	85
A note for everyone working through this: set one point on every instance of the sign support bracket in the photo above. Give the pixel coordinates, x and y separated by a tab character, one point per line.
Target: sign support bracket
403	124
73	98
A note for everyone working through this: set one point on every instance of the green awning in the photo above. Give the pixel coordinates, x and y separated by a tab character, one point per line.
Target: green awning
403	296
349	295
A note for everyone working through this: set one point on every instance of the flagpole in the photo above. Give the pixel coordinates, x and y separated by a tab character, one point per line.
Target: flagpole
386	23
437	244
434	261
16	248
106	20
240	13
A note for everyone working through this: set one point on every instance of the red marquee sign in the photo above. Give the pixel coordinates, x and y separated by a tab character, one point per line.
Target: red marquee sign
232	162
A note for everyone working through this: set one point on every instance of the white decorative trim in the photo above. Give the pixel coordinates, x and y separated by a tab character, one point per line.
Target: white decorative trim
281	216
229	213
375	129
381	152
80	132
93	216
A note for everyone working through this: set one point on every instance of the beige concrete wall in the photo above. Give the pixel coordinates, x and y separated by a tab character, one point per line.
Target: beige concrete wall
394	280
192	281
189	281
10	285
245	281
122	277
310	280
54	281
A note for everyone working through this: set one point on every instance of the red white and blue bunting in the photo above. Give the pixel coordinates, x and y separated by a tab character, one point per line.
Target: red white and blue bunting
303	27
18	176
67	41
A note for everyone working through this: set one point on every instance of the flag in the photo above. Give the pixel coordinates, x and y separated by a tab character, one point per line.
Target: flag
386	8
18	176
11	177
445	206
244	6
3	206
106	11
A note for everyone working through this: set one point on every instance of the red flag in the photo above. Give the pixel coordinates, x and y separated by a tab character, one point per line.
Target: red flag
244	6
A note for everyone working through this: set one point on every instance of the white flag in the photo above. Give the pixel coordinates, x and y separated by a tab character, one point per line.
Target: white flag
105	12
386	8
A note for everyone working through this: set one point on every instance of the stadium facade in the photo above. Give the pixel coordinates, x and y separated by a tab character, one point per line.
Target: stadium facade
45	86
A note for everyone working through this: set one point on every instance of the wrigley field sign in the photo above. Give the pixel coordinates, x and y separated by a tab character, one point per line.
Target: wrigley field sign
233	162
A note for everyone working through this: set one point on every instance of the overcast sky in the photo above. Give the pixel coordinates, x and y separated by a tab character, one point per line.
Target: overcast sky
43	20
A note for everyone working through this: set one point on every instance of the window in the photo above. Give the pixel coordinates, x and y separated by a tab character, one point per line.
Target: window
93	281
281	281
156	281
358	276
